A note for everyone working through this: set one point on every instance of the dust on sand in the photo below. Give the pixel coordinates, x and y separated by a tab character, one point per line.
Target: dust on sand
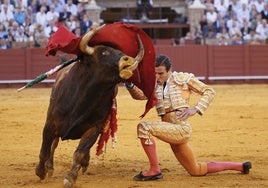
235	128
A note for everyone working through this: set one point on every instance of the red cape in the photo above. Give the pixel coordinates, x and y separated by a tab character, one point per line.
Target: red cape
120	36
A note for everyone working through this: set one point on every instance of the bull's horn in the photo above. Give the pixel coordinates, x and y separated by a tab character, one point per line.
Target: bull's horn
83	45
139	56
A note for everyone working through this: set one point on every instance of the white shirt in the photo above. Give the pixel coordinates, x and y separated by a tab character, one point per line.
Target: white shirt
72	9
211	16
262	31
51	15
259	5
41	18
243	13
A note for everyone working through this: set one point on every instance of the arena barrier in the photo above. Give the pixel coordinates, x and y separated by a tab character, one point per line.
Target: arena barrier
213	64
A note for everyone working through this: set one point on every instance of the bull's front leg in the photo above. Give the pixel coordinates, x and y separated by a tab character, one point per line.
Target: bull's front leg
50	162
45	151
85	161
81	156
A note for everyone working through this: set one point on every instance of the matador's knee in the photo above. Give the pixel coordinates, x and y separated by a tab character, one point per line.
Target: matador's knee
200	170
143	131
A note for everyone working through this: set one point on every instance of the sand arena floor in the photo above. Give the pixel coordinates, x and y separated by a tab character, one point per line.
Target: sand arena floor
235	128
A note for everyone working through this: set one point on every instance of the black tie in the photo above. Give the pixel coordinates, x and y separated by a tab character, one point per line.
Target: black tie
164	85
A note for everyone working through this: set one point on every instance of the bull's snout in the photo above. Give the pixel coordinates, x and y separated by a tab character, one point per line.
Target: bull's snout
127	65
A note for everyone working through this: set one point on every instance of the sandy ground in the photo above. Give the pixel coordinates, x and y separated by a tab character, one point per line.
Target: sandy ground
235	128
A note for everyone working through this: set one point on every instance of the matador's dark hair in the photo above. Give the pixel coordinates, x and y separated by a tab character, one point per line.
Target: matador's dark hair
163	60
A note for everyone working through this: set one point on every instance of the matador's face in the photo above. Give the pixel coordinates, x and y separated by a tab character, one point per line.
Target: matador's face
161	74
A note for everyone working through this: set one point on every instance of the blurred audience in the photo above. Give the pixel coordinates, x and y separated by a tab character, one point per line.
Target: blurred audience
228	22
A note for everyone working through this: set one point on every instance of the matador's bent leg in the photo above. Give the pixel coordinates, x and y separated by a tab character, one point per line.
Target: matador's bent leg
185	156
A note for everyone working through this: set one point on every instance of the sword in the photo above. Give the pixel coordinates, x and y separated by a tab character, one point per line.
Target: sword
45	75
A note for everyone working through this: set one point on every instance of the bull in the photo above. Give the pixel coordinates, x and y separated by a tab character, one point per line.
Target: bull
80	103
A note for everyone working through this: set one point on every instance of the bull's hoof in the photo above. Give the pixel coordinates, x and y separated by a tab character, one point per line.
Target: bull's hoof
67	183
69	180
50	172
40	172
84	169
50	169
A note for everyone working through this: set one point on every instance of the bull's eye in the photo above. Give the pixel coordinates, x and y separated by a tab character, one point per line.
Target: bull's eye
105	53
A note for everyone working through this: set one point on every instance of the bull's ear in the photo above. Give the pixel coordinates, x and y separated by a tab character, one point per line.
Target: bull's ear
83	45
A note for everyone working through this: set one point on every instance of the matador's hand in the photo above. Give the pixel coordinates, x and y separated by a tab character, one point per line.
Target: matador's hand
188	112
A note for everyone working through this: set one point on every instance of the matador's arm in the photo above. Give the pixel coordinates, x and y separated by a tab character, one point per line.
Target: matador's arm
135	92
207	94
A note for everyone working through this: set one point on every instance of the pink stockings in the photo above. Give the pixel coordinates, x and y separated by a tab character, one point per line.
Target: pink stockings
150	151
185	156
221	166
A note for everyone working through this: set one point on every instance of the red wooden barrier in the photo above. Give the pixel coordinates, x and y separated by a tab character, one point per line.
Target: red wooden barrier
210	63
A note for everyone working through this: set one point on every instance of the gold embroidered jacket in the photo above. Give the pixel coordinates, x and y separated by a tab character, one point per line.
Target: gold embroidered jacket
177	92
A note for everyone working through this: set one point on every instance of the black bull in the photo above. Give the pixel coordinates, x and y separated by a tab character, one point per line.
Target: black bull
81	100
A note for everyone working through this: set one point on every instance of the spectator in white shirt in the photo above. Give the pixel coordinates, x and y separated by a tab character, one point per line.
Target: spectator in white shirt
58	4
236	5
243	13
234	30
262	30
249	3
211	15
52	14
14	31
223	37
8	5
50	28
252	38
72	8
24	3
20	36
41	17
221	7
230	22
6	15
259	5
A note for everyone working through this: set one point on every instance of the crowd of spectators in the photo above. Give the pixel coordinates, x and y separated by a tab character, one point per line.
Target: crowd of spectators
227	21
232	22
33	21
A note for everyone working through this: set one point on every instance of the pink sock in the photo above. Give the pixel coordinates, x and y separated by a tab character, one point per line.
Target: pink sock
150	151
221	166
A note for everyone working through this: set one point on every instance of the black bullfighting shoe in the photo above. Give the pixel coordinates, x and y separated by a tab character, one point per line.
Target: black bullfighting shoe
141	177
246	166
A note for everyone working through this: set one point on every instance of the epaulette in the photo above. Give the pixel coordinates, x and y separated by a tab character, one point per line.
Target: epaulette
182	77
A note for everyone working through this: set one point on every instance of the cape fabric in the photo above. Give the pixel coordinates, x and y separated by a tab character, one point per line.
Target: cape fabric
120	36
